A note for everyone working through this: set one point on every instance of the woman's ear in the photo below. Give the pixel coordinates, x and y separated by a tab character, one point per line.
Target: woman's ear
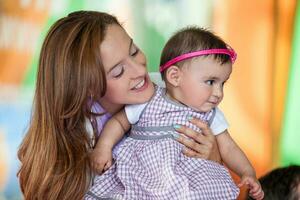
173	75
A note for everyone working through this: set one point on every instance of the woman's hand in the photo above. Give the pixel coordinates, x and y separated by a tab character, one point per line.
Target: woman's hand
199	145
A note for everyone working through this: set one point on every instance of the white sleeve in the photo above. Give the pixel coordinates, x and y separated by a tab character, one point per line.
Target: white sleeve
134	111
219	123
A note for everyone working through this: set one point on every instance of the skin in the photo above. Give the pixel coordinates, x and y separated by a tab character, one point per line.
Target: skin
199	83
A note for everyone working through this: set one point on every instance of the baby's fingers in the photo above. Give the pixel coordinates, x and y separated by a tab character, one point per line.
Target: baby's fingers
261	195
256	191
243	182
255	188
258	195
108	165
98	167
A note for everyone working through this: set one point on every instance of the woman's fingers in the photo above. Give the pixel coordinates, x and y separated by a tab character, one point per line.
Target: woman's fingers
191	153
202	144
202	125
206	137
192	143
205	130
199	138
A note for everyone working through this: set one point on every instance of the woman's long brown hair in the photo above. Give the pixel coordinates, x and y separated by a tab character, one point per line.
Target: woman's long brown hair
54	151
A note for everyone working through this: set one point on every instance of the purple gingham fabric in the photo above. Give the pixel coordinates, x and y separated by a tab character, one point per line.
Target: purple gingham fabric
152	169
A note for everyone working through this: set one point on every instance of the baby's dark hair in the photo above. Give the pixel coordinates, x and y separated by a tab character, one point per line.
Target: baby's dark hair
192	39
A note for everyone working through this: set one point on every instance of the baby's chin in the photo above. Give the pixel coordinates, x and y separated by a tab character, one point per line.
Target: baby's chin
202	108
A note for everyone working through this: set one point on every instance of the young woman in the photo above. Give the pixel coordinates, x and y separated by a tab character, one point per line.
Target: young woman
79	74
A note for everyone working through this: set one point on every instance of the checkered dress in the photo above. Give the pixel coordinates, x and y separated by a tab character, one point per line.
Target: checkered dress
150	164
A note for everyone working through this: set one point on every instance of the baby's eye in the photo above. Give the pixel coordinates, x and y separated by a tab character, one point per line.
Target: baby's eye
117	71
209	82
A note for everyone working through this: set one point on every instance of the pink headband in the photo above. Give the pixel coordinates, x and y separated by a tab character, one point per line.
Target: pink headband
182	57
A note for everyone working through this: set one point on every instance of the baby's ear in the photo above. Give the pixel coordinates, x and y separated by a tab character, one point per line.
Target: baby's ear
173	75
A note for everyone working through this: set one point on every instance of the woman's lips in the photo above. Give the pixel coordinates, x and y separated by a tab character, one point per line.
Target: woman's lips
142	85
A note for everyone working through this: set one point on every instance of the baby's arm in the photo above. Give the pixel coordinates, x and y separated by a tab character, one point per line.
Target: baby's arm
113	131
237	161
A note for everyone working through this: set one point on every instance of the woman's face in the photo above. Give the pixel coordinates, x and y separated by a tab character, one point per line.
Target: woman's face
125	67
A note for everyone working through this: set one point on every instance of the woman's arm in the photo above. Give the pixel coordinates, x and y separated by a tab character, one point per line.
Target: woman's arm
202	145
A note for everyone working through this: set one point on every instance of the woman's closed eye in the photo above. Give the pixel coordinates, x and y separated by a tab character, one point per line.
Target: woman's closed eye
117	71
134	52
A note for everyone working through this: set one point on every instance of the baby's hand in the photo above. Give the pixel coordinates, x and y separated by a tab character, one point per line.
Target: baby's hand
101	159
255	190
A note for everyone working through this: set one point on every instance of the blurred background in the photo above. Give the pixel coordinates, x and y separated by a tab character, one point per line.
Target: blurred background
261	100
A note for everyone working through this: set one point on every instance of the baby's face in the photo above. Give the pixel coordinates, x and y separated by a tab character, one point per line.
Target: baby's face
202	81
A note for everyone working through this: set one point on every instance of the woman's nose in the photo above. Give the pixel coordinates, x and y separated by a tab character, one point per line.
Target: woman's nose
137	68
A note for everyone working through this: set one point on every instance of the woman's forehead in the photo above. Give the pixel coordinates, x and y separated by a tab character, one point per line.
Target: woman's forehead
115	38
115	46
